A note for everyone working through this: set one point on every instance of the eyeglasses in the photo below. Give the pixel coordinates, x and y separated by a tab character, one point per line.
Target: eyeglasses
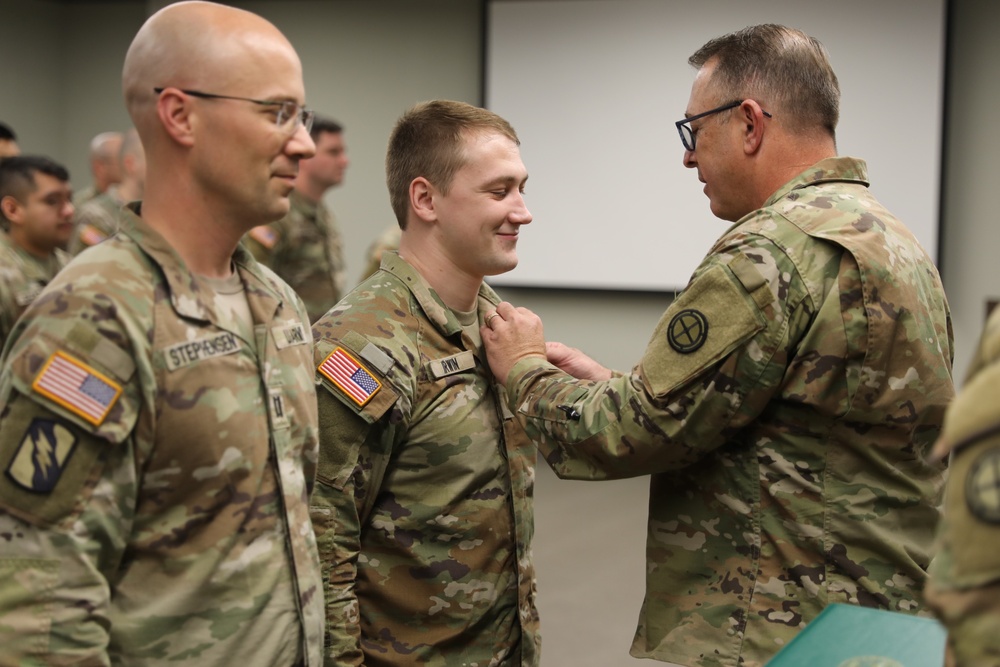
688	135
288	111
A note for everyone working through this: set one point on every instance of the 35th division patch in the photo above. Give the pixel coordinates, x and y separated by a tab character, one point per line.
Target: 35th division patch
982	487
688	331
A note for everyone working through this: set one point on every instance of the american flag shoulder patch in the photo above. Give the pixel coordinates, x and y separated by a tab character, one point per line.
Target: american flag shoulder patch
265	235
77	387
350	376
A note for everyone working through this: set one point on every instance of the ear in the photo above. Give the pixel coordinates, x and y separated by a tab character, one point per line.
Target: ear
175	112
753	126
11	209
422	199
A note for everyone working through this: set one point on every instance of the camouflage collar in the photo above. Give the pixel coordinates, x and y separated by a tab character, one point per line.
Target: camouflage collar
440	315
833	169
188	295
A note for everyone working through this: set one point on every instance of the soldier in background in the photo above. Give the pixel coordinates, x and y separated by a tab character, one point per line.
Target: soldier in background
158	437
422	505
8	142
964	584
386	241
37	215
789	395
305	247
97	219
105	165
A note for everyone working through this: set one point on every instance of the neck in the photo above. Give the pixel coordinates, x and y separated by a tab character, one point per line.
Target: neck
309	190
32	249
203	236
457	289
129	191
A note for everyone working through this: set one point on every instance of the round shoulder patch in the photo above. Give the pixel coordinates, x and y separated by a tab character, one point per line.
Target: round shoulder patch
688	331
982	487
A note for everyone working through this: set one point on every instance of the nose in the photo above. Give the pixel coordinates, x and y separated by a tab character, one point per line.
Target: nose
300	144
68	210
689	159
520	215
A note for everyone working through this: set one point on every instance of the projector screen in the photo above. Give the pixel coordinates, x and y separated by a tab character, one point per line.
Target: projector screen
593	88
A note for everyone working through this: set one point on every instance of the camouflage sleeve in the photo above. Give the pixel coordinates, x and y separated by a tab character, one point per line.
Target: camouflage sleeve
66	502
355	444
963	589
714	361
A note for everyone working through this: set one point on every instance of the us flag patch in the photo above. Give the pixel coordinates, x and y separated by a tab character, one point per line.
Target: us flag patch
77	387
350	376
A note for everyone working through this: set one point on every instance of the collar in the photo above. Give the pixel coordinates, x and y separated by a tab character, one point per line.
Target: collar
438	314
832	169
189	296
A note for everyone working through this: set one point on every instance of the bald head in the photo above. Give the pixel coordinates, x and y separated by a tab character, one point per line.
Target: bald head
195	45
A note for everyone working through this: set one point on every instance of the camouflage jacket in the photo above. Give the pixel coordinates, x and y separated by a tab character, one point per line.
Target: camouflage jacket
964	585
306	250
785	404
157	468
22	277
95	220
422	505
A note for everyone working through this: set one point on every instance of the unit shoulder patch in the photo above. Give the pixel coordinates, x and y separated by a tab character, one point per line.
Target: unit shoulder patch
982	487
688	331
42	455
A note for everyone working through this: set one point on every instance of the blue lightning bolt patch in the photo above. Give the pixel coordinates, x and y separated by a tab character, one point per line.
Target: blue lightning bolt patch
42	455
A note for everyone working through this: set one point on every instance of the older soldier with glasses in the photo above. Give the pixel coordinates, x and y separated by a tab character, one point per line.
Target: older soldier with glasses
159	435
788	396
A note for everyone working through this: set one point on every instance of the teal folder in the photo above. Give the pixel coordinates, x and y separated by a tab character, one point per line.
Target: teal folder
849	636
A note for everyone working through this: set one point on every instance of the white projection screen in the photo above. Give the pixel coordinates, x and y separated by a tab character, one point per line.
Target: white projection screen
593	88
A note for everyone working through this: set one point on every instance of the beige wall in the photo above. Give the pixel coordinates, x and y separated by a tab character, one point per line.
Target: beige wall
365	61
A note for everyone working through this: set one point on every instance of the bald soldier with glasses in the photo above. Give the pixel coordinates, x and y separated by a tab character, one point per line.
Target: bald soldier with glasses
159	431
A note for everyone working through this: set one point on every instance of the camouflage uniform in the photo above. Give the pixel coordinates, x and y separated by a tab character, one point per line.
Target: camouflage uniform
422	505
785	402
22	277
964	586
154	504
95	221
306	250
387	240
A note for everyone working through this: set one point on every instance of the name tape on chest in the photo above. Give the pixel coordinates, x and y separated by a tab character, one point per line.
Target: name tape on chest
77	387
456	363
216	345
290	334
350	376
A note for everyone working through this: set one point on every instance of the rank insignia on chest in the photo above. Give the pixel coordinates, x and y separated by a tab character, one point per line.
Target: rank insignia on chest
77	387
688	331
42	455
348	375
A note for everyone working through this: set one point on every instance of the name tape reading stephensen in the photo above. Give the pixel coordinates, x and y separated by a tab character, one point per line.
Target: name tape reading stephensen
77	387
184	354
350	376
